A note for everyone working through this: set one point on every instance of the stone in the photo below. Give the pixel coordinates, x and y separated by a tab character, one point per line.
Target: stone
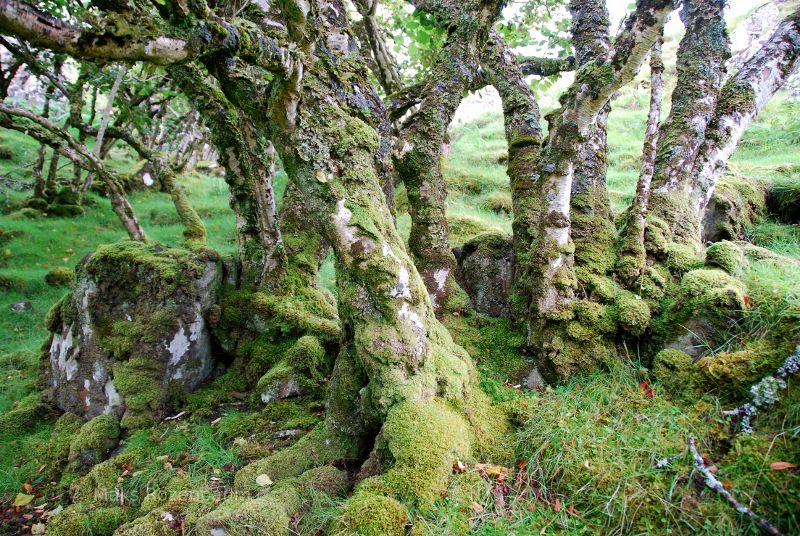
484	271
132	334
21	306
534	380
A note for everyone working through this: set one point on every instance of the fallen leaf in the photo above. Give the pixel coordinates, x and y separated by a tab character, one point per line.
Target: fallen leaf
646	389
727	484
557	506
27	487
477	508
263	480
38	528
459	466
22	499
713	469
781	466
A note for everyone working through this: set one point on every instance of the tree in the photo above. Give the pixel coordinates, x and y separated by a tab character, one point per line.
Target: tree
403	400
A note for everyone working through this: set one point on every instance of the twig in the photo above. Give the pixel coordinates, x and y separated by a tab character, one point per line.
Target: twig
172	418
712	482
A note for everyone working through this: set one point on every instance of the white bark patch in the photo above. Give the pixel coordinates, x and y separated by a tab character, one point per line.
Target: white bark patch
98	372
113	399
402	289
342	219
147	179
410	316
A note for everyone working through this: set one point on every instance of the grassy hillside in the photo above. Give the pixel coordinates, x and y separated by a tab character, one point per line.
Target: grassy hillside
586	449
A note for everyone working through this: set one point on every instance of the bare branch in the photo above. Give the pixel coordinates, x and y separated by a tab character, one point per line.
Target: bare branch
533	65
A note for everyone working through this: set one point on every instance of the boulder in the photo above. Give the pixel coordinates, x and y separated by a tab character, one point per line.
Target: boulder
132	332
485	265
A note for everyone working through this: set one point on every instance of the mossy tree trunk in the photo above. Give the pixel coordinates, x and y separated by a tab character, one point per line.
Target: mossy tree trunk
741	98
422	136
571	126
632	254
701	59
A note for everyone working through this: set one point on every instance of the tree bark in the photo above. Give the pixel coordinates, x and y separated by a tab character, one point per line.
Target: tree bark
742	97
632	254
701	59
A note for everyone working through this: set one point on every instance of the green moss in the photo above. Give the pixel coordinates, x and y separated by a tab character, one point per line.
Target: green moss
59	277
367	514
94	441
240	516
138	381
25	416
633	313
99	486
732	373
657	236
319	447
308	357
463	228
714	289
676	371
725	255
683	257
67	211
422	440
88	520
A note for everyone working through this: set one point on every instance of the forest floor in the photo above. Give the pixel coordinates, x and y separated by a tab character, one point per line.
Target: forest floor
586	450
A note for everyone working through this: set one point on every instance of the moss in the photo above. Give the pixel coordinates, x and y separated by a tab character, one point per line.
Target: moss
734	372
657	236
367	514
269	386
99	486
676	371
422	440
726	255
633	314
59	277
138	382
24	417
87	519
714	289
463	228
319	447
308	357
238	516
683	257
94	441
66	211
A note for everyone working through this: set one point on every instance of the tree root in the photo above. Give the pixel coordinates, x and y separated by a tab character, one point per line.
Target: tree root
712	482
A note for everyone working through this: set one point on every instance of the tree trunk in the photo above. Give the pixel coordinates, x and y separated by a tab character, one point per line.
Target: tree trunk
632	254
701	59
742	97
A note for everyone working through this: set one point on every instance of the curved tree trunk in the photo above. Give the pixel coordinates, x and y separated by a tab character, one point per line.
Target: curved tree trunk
419	162
741	98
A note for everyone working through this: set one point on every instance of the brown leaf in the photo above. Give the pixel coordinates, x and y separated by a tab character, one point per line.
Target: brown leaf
477	508
27	487
727	484
713	469
781	466
557	506
646	389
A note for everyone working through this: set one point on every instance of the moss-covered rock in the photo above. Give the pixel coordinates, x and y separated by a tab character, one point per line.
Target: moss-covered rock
368	514
60	276
726	255
24	416
736	204
94	441
79	519
132	332
484	272
100	486
241	516
676	371
633	314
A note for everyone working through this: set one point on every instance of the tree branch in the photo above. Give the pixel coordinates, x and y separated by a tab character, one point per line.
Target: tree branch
714	484
533	65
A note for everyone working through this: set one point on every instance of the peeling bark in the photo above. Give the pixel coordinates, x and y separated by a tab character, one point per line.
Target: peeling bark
742	97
